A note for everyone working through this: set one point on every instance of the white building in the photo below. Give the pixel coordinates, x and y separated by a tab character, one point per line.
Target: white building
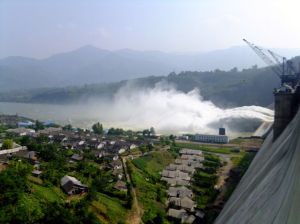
212	138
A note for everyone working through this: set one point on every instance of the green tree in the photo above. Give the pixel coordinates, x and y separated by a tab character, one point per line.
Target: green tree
39	125
68	127
146	132
7	144
98	128
150	147
92	194
25	140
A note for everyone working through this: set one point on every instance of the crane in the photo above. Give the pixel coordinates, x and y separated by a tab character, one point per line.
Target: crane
259	51
284	70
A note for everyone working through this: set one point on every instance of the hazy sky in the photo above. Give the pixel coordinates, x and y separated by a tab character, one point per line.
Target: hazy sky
41	28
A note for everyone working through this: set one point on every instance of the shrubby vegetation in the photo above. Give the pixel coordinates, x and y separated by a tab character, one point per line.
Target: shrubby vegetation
211	163
2	128
19	202
32	200
116	131
151	191
7	144
204	181
237	172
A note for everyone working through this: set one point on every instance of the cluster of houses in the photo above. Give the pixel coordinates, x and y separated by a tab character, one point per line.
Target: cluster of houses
100	147
178	176
20	152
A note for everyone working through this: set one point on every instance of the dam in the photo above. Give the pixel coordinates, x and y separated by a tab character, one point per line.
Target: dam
269	191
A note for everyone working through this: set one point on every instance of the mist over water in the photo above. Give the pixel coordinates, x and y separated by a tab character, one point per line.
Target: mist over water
163	107
171	111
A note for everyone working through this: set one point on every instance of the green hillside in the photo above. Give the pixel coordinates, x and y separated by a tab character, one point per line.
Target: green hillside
251	86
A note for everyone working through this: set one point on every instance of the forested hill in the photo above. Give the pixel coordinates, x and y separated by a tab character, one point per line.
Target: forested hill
252	86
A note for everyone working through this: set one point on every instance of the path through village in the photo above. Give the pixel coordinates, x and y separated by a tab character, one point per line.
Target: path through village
135	214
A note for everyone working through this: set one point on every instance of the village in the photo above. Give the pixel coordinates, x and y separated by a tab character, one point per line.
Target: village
102	148
81	162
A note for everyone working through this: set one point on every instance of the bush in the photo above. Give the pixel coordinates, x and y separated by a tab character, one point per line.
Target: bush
7	144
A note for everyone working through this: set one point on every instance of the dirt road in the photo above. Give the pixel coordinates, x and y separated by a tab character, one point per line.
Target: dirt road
135	214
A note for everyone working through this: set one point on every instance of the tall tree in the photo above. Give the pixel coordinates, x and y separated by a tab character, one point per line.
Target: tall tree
98	128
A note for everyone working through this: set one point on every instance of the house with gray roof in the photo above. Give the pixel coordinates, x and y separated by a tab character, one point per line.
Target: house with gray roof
72	186
116	164
50	130
176	174
185	203
175	181
76	158
188	219
181	215
180	192
190	152
183	168
177	214
21	131
120	185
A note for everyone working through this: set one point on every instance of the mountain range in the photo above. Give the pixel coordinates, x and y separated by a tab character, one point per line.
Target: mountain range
90	65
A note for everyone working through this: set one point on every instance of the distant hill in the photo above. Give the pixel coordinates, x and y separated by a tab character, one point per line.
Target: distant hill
89	65
253	86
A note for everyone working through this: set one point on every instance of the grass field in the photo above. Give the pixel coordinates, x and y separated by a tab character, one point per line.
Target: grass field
35	180
50	194
150	192
154	162
236	160
240	165
110	208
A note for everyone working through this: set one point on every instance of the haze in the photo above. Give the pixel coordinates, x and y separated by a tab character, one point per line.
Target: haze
42	28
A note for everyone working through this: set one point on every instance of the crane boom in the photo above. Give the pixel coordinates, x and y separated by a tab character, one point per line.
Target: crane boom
275	56
265	58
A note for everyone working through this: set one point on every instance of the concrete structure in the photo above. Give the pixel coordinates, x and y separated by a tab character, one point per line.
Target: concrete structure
269	191
286	105
222	131
263	130
222	139
12	151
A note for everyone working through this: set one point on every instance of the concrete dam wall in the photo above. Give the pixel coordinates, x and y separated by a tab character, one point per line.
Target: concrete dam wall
269	192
